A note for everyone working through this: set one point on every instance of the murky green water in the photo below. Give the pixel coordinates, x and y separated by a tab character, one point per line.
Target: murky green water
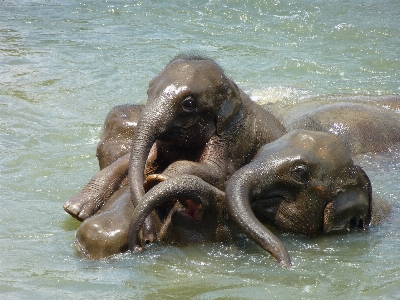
65	64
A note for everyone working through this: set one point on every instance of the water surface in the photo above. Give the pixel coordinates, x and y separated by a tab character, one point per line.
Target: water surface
65	64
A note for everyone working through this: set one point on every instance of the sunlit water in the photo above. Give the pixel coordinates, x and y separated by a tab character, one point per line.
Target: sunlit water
65	64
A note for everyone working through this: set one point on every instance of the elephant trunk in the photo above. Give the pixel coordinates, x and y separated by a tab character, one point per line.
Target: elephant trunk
178	187
148	130
238	197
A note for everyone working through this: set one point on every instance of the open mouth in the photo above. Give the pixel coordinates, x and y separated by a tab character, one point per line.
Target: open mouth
187	208
191	210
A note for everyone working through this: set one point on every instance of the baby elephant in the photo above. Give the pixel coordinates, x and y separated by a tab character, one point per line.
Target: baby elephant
304	182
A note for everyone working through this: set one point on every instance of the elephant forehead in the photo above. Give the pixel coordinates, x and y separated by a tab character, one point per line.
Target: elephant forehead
196	74
174	89
321	144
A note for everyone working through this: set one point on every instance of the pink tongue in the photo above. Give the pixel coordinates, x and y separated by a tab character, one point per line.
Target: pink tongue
191	207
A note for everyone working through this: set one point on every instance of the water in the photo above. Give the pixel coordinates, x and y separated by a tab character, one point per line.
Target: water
65	64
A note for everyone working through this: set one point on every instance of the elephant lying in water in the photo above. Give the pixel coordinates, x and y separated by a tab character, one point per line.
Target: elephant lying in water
364	126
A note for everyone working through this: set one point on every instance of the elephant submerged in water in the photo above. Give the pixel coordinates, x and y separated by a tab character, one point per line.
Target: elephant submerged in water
364	126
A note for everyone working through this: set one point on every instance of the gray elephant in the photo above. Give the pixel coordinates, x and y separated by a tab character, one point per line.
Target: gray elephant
198	122
365	123
304	182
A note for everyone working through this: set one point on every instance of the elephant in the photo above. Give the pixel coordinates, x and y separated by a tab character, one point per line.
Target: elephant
304	182
365	123
198	122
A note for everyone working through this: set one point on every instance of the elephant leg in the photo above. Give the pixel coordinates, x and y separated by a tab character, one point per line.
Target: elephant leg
106	233
98	190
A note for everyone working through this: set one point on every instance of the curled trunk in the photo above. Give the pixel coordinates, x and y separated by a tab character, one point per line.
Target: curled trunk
238	197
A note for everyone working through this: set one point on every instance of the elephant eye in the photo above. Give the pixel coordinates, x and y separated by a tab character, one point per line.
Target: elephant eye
189	103
301	173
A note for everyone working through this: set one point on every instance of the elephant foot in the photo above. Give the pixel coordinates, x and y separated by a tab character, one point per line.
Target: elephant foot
89	201
82	207
106	233
99	189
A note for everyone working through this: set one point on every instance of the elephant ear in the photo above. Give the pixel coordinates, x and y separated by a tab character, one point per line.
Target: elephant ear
351	208
229	108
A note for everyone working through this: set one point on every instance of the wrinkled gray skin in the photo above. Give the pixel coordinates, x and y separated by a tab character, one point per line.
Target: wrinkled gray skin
200	123
306	183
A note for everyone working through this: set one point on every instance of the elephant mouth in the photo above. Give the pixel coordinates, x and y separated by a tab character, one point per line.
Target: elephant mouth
265	209
189	210
186	209
189	122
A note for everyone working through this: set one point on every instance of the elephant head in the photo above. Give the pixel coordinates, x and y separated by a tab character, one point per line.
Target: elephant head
188	102
304	182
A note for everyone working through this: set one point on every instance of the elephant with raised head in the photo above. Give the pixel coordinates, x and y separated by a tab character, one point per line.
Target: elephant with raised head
198	122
